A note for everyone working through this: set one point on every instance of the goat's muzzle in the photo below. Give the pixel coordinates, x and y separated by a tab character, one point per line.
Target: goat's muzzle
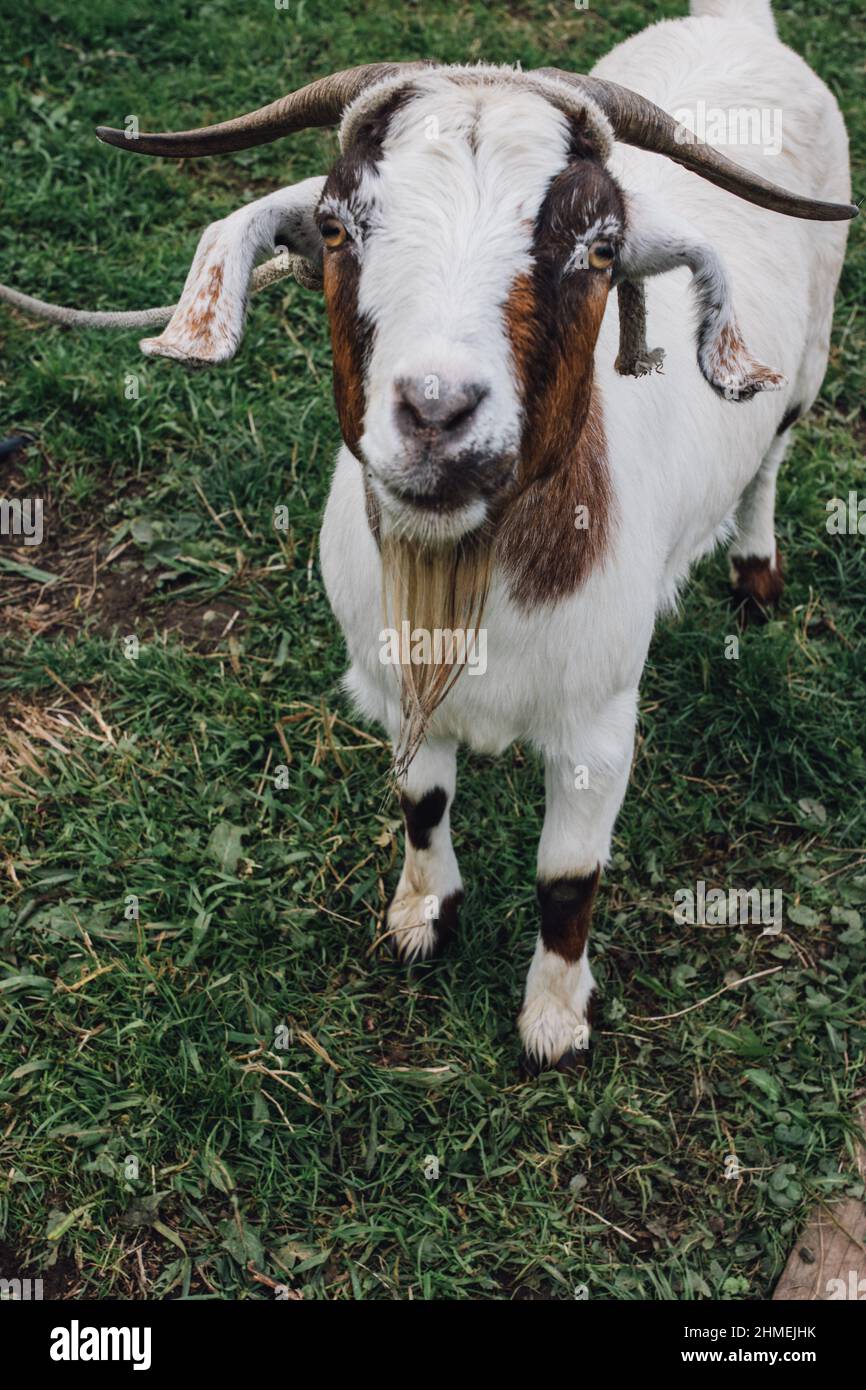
445	472
442	466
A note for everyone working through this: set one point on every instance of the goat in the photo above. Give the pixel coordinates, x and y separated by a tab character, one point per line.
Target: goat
503	461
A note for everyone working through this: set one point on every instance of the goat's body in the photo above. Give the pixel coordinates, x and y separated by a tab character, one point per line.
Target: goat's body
563	676
680	457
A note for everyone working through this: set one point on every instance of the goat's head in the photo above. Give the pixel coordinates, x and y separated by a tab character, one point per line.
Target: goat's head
470	232
468	237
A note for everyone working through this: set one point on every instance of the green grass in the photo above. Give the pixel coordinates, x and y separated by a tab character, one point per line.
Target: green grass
155	1039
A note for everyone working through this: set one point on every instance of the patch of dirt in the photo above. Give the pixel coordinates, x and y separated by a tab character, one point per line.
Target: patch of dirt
120	603
201	625
396	1054
74	579
59	1281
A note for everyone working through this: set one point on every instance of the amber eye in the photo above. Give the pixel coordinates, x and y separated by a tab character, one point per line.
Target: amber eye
601	255
333	232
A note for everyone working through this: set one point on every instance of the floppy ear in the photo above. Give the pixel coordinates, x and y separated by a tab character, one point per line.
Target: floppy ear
208	322
656	242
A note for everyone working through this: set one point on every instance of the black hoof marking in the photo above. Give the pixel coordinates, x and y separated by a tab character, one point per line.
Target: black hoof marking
575	1061
449	916
572	1063
529	1067
748	611
757	589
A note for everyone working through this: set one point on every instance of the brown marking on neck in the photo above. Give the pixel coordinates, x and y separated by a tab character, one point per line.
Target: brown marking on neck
544	554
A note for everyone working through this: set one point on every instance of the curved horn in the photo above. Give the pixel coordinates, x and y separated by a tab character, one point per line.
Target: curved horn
320	103
639	122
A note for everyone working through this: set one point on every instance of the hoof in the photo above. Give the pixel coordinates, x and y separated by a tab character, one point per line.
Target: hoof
412	934
757	588
571	1063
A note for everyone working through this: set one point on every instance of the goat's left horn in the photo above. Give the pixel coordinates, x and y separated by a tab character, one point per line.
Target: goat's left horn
639	122
320	103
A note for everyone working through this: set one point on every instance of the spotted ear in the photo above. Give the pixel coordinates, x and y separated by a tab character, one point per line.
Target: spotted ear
208	322
655	243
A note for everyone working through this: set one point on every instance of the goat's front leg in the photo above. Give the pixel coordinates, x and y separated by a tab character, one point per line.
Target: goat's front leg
583	799
424	909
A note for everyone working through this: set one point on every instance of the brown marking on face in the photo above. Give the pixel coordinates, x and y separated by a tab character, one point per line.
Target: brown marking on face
758	586
350	340
351	333
559	411
553	320
522	327
554	314
566	910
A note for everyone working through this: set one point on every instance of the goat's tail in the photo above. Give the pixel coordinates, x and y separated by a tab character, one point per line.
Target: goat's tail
758	12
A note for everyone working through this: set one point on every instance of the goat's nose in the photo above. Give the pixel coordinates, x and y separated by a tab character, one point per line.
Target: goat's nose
428	405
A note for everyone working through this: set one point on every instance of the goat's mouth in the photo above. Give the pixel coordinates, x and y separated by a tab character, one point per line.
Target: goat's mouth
441	501
445	500
429	525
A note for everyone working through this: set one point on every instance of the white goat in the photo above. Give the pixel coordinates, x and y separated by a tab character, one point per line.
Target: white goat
499	475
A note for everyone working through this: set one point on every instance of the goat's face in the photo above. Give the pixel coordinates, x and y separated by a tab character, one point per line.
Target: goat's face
470	234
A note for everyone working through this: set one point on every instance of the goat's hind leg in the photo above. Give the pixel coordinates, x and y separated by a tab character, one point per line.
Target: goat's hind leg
757	579
424	909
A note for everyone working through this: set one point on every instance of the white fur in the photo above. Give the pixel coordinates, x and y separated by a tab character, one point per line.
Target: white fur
558	93
453	228
454	234
553	1018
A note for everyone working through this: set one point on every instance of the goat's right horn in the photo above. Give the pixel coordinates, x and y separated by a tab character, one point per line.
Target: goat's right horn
320	103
